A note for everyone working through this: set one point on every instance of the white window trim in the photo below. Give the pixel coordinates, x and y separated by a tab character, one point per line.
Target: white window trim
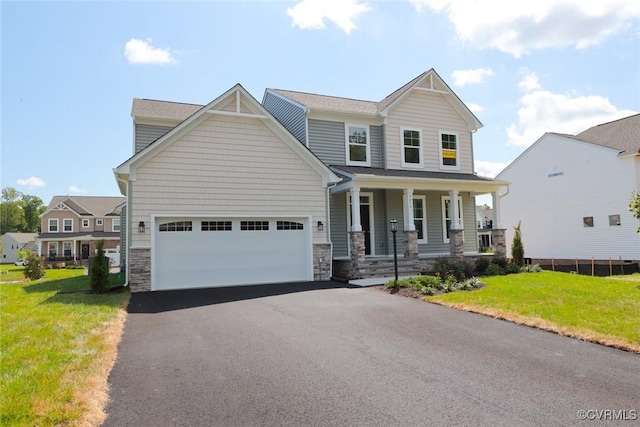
100	222
63	225
424	217
56	222
442	165
113	225
445	239
85	221
346	144
420	149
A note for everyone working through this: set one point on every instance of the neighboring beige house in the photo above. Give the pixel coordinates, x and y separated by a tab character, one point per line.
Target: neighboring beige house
72	225
14	242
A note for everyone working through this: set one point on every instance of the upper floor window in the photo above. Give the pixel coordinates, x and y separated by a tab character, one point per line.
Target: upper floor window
85	223
99	222
67	225
357	145
115	224
449	150
411	147
53	225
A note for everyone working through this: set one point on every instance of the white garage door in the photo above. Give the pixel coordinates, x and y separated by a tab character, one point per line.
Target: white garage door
210	252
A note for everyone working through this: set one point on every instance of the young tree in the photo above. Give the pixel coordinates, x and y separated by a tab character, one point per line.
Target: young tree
634	206
100	270
517	248
34	269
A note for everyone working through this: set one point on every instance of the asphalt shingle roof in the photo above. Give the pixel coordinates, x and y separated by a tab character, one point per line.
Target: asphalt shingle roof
622	134
89	205
155	109
364	170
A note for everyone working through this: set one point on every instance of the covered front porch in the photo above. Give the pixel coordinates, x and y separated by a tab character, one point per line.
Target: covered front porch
429	225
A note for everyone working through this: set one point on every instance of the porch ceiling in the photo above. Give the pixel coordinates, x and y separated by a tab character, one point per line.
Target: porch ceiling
365	177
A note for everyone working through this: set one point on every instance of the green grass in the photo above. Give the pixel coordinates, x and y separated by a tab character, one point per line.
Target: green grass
57	345
604	310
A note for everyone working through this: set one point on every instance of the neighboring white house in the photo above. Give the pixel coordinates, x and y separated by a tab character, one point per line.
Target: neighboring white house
571	194
14	242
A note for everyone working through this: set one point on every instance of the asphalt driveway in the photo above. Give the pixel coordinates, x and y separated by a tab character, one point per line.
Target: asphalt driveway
321	354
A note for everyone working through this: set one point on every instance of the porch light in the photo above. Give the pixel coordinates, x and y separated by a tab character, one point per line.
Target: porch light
141	227
320	226
394	230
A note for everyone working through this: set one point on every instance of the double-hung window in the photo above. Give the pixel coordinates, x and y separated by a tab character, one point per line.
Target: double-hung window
53	225
447	216
420	217
358	147
449	150
67	224
115	224
411	141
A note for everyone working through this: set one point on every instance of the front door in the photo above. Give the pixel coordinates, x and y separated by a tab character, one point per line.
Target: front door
85	251
366	219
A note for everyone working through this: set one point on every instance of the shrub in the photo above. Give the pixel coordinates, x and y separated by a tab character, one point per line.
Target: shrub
494	270
472	283
430	281
482	262
517	248
391	284
461	269
34	269
99	270
512	268
500	261
535	268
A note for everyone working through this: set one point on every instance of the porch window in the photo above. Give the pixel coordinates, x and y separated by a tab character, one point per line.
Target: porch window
420	217
412	147
67	225
52	249
115	224
449	150
357	145
447	216
67	249
53	225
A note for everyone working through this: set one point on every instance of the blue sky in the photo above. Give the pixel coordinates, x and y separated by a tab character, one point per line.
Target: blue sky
71	69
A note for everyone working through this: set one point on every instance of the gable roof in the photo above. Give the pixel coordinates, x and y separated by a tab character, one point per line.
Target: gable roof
622	134
22	238
87	205
249	109
356	106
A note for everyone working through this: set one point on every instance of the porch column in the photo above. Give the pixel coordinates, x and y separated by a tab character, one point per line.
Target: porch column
456	232
410	233
356	225
498	233
407	208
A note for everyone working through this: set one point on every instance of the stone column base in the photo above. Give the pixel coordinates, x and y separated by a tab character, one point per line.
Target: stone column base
499	242
411	244
456	243
322	261
140	270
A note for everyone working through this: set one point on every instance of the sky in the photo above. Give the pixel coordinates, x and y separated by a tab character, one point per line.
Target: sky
70	70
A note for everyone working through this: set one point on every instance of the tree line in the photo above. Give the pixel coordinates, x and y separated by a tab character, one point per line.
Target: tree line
20	213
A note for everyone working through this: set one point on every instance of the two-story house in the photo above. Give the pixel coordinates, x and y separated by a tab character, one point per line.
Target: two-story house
299	187
406	157
72	225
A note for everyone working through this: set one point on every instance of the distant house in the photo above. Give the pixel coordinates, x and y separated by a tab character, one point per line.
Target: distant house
484	220
72	225
14	242
571	194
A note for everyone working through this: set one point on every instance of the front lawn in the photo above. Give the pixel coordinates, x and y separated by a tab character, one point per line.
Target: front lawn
58	345
603	310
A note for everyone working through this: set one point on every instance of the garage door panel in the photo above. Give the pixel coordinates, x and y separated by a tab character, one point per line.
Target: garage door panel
196	258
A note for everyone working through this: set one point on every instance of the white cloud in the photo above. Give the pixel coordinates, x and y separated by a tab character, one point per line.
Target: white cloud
469	77
74	189
31	182
544	111
517	28
141	52
476	108
490	169
530	81
311	14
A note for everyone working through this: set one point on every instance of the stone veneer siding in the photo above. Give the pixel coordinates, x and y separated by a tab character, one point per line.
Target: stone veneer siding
456	243
140	270
322	261
411	244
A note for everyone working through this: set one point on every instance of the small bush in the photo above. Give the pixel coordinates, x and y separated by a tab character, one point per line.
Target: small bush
461	269
512	268
535	268
482	262
34	269
517	248
99	270
500	261
472	283
494	270
430	281
391	284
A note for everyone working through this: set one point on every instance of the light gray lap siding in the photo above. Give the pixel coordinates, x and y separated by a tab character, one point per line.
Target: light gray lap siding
146	134
289	115
377	153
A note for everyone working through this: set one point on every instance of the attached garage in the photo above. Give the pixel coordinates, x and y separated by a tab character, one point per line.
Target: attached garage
197	252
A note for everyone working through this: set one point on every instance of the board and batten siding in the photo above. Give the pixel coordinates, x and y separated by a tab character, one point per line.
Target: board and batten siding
227	165
146	134
291	116
433	114
555	184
